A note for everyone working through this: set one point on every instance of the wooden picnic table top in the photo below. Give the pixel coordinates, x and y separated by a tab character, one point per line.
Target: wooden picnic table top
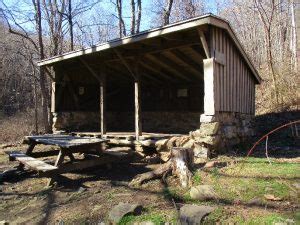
64	141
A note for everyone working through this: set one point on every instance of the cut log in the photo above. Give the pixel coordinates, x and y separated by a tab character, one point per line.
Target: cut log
180	163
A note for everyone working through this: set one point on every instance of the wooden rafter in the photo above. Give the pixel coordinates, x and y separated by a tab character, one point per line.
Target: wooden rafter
195	69
90	69
167	64
153	68
125	63
196	53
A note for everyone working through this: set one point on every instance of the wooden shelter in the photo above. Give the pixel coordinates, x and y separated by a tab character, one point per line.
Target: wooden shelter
159	81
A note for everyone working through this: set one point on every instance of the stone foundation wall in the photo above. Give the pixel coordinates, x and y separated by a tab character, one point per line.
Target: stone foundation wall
170	122
75	121
219	133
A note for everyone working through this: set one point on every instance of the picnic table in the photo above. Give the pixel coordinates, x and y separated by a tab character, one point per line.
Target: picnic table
67	146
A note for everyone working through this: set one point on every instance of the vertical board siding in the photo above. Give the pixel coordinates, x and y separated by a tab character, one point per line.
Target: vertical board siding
234	84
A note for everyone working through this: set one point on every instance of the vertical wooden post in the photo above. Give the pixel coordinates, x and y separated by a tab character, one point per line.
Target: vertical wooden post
137	99
102	104
53	100
209	87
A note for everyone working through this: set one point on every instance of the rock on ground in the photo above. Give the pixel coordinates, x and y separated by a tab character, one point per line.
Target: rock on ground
123	209
194	214
203	192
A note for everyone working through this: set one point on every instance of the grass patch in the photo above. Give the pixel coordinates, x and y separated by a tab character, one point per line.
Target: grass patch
156	217
215	216
130	219
253	178
268	220
196	178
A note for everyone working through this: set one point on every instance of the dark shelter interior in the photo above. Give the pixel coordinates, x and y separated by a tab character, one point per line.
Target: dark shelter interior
168	69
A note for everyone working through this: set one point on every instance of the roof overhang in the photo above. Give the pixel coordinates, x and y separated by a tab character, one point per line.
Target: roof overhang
207	19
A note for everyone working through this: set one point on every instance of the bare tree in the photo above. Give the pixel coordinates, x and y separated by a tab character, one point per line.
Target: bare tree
267	20
139	16
122	28
132	28
167	12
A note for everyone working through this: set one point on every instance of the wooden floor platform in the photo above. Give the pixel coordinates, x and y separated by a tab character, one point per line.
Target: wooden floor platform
128	138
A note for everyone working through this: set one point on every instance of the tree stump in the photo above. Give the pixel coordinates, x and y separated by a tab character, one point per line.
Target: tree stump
180	163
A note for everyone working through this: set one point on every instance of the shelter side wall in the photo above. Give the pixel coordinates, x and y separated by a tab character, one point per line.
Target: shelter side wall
234	83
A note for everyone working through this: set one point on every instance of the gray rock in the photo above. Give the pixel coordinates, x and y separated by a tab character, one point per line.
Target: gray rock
194	214
4	222
296	185
203	192
201	151
255	202
144	223
81	190
207	129
123	209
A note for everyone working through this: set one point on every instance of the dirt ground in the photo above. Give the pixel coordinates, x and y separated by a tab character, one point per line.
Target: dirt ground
87	196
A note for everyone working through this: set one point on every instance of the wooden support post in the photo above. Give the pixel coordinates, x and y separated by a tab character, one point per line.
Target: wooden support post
53	101
204	43
138	128
102	105
209	86
137	99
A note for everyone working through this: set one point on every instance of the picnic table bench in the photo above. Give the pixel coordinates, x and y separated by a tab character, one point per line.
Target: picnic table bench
68	145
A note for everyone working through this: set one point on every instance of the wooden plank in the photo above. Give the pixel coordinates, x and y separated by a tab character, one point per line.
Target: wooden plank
31	162
204	43
65	141
84	164
220	58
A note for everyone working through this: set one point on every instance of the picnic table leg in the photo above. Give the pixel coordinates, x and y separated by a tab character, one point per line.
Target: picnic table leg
58	162
71	157
29	150
30	147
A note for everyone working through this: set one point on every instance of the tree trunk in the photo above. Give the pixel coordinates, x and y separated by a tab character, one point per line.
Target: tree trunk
122	29
139	11
70	21
45	96
132	29
167	12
